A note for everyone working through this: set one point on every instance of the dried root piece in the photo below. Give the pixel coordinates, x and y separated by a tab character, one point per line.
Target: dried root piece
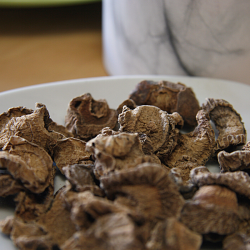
235	182
244	210
236	241
112	231
57	131
28	163
181	176
129	103
8	185
83	241
238	160
86	208
168	96
30	236
231	130
238	182
158	125
171	234
13	112
213	209
129	188
70	151
76	203
6	225
53	126
117	144
196	146
81	177
86	117
198	171
56	222
32	127
30	206
50	230
244	228
114	151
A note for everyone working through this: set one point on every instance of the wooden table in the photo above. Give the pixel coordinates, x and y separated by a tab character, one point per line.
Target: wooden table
39	45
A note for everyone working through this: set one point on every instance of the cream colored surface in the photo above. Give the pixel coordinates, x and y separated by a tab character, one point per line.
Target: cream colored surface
40	45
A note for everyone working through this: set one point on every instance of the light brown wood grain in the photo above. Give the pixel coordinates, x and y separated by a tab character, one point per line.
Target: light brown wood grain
40	45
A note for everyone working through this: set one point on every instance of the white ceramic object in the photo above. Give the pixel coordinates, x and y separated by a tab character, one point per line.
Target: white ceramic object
207	38
57	95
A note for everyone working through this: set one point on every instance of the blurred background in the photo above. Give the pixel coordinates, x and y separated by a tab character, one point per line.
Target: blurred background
53	40
49	41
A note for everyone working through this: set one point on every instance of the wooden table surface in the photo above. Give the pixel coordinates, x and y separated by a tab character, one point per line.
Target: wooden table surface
46	44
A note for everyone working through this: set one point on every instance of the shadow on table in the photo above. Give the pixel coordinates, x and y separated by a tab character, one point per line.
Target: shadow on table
54	19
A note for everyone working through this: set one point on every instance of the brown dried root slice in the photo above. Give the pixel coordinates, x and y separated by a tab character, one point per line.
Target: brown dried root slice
86	208
236	241
158	125
112	231
114	151
244	210
145	142
246	146
69	151
240	238
6	225
30	206
86	117
116	144
171	234
238	182
195	147
81	177
238	160
146	189
244	227
30	236
13	112
27	163
244	216
75	203
231	129
181	176
53	126
56	130
196	171
213	209
56	222
168	96
8	185
51	230
31	127
129	103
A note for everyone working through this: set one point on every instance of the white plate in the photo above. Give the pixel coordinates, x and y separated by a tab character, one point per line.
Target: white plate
57	95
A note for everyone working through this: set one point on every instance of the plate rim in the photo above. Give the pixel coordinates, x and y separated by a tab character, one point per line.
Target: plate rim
117	77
